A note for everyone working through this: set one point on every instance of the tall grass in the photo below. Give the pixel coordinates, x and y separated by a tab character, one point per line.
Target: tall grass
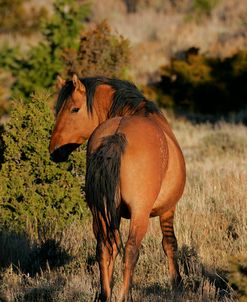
210	223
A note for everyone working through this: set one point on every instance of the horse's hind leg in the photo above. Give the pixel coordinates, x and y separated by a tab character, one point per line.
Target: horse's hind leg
169	243
106	253
138	228
116	246
106	258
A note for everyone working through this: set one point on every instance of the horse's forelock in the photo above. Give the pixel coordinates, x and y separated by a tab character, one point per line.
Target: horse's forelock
63	95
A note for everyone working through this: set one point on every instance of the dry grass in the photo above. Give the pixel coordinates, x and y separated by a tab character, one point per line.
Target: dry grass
211	227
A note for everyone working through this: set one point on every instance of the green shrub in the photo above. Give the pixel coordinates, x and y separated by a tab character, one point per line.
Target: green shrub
39	67
100	53
197	83
203	7
63	51
198	10
36	193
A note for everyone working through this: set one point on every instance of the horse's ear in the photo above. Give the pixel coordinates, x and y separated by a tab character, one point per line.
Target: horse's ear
60	82
77	83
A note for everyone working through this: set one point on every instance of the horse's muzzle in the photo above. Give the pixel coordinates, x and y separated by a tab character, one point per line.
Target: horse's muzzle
62	153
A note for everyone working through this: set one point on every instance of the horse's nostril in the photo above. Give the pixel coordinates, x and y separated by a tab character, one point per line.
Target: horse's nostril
56	155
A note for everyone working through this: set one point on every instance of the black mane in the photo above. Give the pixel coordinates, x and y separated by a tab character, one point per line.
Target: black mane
126	96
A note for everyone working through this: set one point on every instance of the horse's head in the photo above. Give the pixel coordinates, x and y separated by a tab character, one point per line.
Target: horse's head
74	122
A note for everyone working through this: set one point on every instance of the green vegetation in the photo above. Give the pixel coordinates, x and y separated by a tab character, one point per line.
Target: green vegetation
197	83
238	277
34	191
39	67
100	53
203	7
63	51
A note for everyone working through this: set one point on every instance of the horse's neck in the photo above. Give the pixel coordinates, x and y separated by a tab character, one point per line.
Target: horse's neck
103	101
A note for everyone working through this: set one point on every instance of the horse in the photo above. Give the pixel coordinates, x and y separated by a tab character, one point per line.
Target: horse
135	169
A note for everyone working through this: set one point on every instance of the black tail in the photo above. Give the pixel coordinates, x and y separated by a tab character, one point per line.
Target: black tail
102	184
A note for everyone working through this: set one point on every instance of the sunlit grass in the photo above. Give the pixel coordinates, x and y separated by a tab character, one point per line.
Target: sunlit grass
210	224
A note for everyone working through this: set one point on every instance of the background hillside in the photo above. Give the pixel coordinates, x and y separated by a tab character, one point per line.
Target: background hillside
161	30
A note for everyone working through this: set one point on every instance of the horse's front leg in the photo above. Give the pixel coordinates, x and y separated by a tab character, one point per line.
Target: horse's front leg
138	228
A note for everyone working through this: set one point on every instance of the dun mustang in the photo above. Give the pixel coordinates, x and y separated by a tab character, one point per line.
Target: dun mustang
135	168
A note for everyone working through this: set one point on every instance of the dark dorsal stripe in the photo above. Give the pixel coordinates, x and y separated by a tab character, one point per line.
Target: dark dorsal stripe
126	97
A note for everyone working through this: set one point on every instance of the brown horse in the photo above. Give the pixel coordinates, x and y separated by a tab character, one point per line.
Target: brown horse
135	168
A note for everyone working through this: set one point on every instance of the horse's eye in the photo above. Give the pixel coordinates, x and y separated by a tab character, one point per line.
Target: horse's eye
75	109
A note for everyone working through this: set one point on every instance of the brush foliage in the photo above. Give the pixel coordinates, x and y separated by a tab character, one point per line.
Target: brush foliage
39	66
34	191
100	53
196	83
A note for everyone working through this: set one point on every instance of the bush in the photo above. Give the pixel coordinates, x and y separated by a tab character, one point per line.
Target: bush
39	67
5	86
238	277
63	51
203	7
100	53
35	193
197	83
16	18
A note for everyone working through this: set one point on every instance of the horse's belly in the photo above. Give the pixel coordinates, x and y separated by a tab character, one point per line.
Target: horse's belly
173	183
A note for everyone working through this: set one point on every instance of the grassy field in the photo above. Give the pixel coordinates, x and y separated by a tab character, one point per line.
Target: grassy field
210	225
